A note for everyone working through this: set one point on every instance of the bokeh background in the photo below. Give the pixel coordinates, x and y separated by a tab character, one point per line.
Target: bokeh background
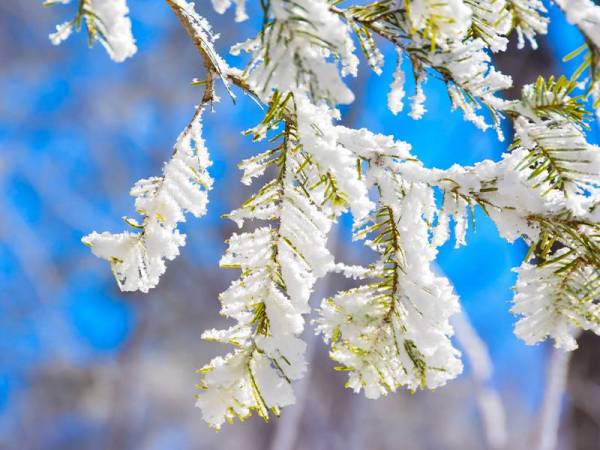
83	366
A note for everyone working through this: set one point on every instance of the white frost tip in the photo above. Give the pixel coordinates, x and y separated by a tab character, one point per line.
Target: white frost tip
111	24
62	33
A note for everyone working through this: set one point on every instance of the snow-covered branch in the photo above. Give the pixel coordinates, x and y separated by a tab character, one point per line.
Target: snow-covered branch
393	330
138	258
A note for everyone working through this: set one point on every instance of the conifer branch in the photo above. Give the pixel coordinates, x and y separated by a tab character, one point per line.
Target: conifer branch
393	330
279	263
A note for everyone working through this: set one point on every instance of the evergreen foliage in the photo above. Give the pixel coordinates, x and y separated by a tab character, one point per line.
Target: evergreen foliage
393	329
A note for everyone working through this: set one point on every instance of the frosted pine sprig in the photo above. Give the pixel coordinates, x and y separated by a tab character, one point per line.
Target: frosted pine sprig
138	258
279	265
394	330
556	298
107	21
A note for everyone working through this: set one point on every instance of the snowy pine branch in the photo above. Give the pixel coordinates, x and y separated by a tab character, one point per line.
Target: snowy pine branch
138	258
393	330
280	263
203	37
492	21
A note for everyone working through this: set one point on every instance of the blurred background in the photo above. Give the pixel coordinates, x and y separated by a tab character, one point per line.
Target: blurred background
83	366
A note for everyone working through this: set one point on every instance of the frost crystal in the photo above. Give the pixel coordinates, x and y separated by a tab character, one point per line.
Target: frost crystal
396	95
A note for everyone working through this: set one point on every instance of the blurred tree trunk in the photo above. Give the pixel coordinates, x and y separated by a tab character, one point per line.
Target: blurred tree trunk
583	410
